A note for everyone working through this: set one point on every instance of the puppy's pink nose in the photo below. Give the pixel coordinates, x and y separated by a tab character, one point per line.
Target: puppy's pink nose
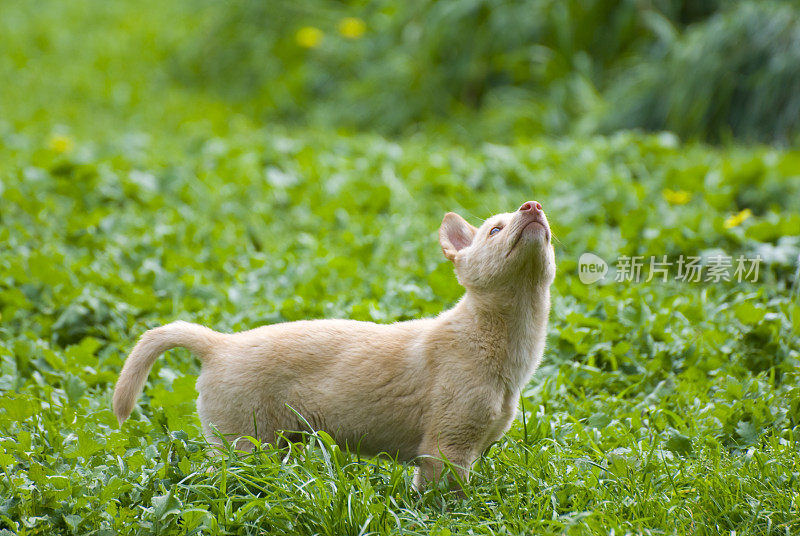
529	206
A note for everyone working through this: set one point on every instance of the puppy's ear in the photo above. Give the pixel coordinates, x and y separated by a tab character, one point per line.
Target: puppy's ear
455	234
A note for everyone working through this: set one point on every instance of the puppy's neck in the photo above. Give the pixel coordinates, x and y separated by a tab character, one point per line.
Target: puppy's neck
506	332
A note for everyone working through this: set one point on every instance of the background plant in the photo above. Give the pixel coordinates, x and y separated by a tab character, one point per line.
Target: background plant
706	70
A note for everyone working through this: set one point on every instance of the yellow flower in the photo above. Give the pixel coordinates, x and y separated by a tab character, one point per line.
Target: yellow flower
309	37
737	219
677	197
61	143
352	27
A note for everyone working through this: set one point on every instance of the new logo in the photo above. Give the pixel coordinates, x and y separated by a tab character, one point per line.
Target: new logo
591	268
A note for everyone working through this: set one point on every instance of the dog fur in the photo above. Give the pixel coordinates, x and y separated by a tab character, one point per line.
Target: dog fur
421	390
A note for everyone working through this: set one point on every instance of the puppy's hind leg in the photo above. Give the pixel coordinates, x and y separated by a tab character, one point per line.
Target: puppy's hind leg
235	418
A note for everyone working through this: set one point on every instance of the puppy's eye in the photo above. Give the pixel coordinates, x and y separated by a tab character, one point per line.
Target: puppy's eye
494	231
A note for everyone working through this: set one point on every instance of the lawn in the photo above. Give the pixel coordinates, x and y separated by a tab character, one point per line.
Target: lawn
662	407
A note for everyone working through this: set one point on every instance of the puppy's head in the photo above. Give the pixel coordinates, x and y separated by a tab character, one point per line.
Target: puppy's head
505	254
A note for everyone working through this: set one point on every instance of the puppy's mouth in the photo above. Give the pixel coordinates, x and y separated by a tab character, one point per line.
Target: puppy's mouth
522	230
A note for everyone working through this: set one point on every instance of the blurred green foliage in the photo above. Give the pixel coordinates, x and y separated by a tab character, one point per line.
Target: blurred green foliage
708	70
416	61
736	76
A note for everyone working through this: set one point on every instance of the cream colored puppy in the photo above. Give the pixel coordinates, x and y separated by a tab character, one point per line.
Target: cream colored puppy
422	390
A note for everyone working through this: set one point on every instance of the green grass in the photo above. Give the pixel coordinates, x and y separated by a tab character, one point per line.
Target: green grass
661	408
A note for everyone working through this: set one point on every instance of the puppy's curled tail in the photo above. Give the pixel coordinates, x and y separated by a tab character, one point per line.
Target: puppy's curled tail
200	340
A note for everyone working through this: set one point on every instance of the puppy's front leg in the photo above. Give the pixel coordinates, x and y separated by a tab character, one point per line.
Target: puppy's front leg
431	465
